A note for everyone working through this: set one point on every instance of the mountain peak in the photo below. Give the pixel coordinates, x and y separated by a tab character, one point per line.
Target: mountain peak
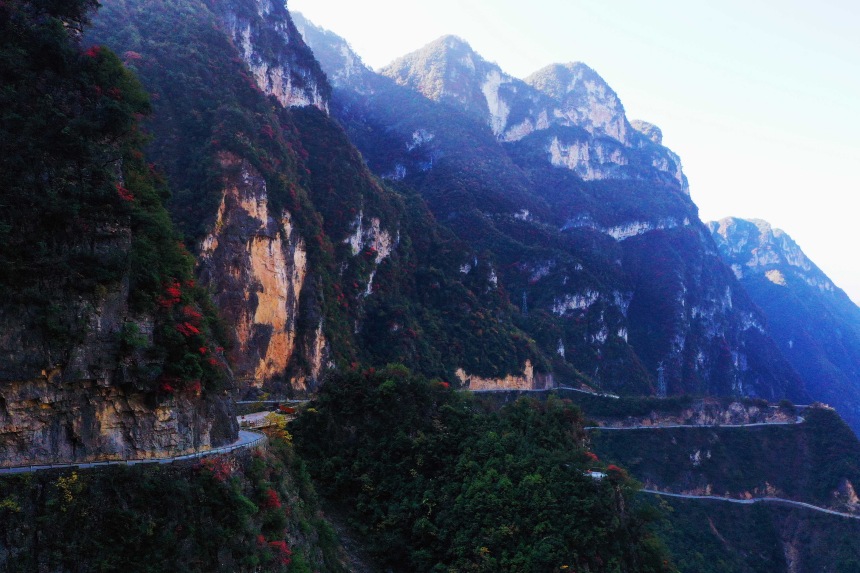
557	80
450	71
752	245
586	99
339	61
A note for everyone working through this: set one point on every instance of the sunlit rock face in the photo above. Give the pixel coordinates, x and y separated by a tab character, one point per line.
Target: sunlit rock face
255	262
583	99
528	380
54	419
282	65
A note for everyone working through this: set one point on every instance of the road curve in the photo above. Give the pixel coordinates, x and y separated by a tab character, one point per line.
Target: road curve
753	500
246	440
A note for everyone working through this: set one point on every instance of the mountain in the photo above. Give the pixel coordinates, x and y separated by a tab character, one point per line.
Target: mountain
814	322
586	220
108	350
313	261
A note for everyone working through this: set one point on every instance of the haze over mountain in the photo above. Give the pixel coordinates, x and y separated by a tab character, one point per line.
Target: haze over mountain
722	99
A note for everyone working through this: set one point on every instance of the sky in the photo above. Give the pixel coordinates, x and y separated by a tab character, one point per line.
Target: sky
760	98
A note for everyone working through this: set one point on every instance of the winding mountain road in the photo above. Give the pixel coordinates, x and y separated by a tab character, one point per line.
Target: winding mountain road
753	500
799	420
246	440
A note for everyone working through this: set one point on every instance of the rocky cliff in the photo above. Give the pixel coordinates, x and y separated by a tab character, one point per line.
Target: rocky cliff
281	63
313	260
814	322
255	265
107	349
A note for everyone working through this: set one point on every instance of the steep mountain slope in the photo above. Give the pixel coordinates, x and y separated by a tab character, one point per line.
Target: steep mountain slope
586	221
108	350
312	260
814	322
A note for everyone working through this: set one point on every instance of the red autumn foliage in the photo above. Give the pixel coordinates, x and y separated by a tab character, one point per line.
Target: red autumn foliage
614	469
172	295
124	193
282	551
195	387
219	467
191	314
592	457
93	52
167	387
271	500
203	350
187	329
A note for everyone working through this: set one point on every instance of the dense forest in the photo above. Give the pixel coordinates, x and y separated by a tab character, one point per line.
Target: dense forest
435	482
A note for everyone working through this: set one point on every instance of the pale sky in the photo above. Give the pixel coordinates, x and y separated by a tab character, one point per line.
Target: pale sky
760	98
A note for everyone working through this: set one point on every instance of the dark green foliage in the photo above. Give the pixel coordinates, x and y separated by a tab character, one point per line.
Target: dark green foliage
717	537
209	517
434	483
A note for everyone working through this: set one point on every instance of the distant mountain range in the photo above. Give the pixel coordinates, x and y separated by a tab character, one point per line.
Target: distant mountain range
584	215
815	324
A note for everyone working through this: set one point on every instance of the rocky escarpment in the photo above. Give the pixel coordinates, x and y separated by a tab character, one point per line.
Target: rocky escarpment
97	398
107	348
708	412
255	264
528	380
585	215
814	322
566	111
51	419
281	63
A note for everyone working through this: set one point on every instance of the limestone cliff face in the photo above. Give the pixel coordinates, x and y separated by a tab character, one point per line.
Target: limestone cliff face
347	67
91	400
282	65
583	99
529	380
58	418
707	412
567	110
255	263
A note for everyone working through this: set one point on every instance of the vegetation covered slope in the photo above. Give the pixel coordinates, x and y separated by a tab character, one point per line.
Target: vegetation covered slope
435	483
245	512
816	461
716	537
